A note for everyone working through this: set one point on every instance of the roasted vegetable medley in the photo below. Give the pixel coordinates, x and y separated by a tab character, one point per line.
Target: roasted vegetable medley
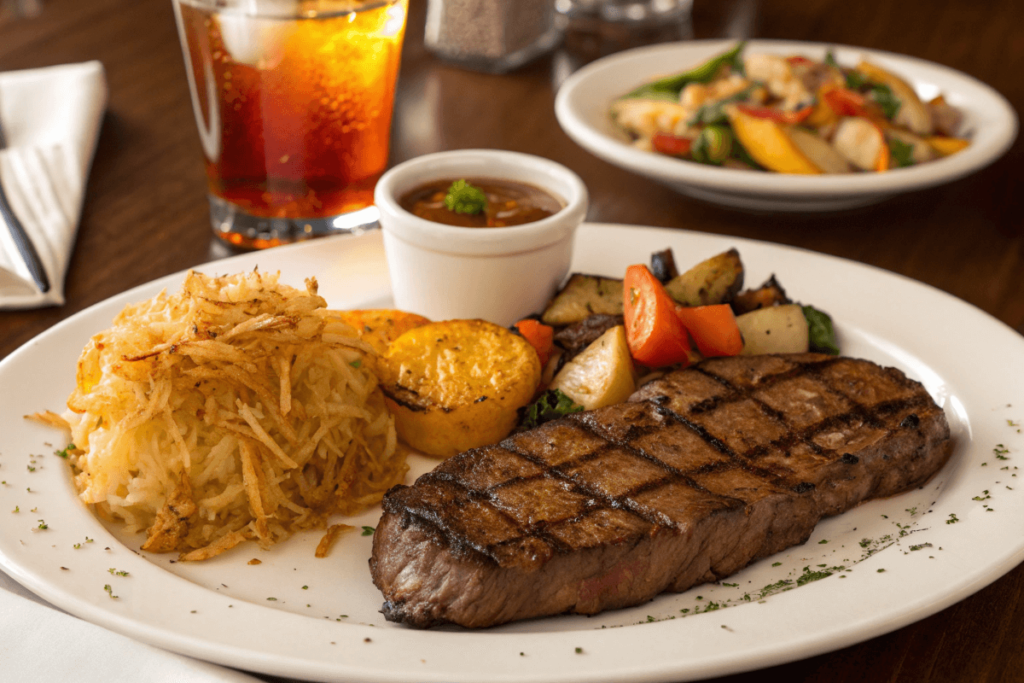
600	338
789	115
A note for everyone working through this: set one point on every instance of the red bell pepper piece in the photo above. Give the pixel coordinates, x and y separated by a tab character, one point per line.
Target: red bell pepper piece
672	145
713	328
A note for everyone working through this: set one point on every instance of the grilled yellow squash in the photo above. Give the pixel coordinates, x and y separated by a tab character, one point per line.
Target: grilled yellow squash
458	384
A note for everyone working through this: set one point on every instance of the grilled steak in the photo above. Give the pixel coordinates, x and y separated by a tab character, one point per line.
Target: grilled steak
702	472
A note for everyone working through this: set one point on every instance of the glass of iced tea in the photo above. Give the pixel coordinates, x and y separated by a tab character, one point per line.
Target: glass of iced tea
293	100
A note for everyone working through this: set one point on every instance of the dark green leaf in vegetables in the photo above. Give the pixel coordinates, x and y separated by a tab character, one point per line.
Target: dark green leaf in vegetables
902	152
854	80
550	405
713	145
889	103
668	88
822	335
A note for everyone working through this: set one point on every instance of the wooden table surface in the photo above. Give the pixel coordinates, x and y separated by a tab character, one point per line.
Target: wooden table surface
145	212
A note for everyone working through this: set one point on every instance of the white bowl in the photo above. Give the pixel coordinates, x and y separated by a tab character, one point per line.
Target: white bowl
583	101
499	274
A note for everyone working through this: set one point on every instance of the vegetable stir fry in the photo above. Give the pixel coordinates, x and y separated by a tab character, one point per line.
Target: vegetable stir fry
789	115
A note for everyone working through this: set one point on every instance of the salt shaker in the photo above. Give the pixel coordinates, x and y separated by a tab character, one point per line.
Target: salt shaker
490	35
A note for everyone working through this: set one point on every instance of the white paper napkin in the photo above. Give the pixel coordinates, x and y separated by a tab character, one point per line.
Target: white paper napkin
43	645
51	120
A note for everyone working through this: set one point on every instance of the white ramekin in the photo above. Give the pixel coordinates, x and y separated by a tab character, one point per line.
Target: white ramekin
498	274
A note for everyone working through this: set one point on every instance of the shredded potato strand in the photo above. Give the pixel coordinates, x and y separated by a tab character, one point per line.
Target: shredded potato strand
231	411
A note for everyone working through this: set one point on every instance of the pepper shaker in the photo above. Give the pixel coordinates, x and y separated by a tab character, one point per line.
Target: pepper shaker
495	36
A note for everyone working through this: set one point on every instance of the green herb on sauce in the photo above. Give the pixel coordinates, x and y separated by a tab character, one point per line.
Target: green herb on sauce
952	519
465	198
368	531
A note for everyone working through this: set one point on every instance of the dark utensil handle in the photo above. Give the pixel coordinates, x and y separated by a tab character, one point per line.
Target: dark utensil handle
24	244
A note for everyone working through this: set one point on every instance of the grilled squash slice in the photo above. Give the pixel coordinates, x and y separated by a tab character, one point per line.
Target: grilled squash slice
379	327
458	384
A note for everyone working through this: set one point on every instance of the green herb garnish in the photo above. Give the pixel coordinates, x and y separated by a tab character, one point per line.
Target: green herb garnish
902	153
820	331
854	80
889	103
64	453
550	405
465	198
368	531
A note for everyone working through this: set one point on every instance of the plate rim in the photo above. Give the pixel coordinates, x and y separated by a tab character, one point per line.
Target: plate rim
290	666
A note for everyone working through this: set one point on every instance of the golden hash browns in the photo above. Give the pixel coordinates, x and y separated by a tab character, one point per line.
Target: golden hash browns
237	409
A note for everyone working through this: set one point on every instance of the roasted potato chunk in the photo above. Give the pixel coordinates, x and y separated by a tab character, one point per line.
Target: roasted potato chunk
778	329
582	296
714	281
458	384
602	375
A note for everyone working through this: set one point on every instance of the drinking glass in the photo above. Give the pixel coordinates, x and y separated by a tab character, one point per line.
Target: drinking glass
293	101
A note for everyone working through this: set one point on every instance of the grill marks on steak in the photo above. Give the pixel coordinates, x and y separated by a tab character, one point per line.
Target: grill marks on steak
700	473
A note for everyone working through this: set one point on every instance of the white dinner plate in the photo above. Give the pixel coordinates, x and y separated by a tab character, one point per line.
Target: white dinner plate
584	99
903	558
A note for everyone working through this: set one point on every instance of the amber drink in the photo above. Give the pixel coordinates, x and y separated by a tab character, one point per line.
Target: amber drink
293	100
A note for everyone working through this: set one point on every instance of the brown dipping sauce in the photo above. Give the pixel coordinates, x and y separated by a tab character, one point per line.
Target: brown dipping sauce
508	203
